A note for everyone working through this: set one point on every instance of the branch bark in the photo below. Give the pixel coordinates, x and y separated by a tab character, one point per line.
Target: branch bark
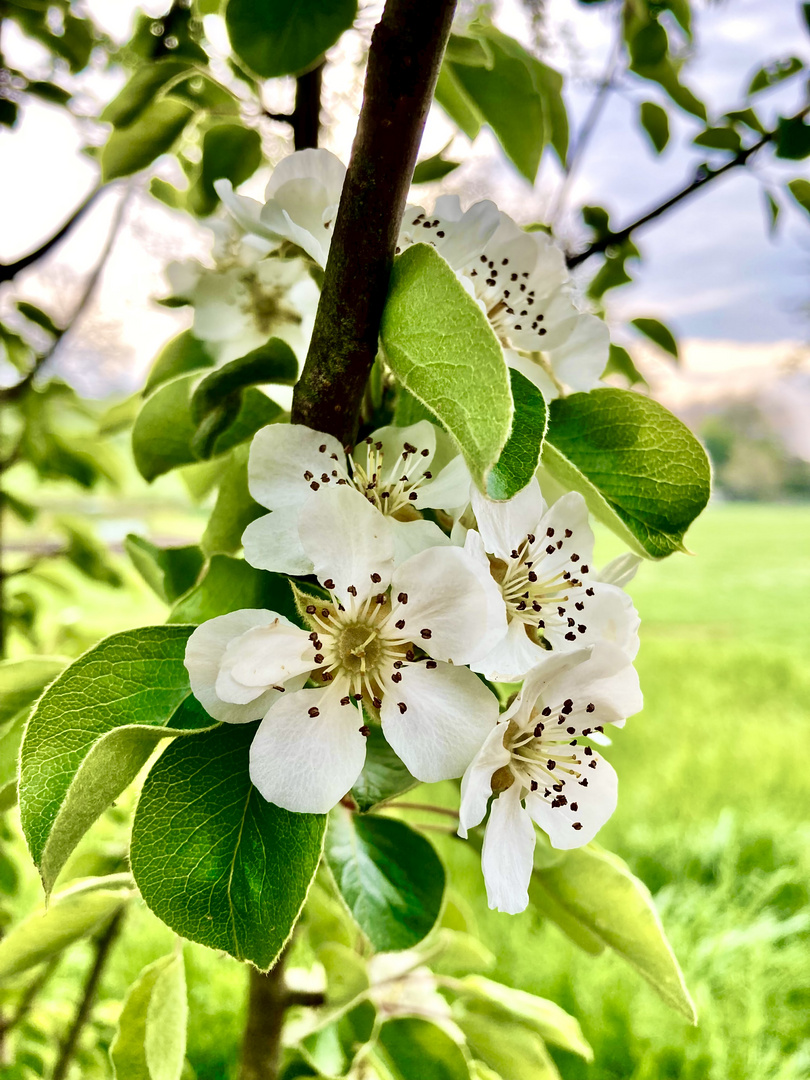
403	65
700	181
261	1043
306	117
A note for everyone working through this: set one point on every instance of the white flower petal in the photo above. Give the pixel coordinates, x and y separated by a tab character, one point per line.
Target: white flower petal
268	655
469	235
287	459
246	212
512	657
608	615
452	611
568	515
320	165
204	653
422	435
505	525
580	359
304	762
476	786
508	853
448	713
272	543
348	541
603	674
411	537
448	490
533	372
594	805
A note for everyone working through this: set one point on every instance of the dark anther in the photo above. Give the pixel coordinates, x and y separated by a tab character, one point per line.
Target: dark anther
314	712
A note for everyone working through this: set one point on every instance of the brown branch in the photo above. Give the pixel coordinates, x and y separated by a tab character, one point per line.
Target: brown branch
706	176
403	64
261	1042
10	270
103	946
306	118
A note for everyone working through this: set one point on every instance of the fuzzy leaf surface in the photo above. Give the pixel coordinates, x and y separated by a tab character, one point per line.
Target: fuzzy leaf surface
150	1039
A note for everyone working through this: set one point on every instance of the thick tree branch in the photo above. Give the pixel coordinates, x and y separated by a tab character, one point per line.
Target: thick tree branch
706	176
403	65
10	270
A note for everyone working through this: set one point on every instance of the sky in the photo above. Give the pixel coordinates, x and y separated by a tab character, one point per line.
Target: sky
709	267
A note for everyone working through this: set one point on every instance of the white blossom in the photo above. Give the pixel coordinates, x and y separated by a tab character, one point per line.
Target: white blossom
542	558
538	769
388	640
400	471
247	297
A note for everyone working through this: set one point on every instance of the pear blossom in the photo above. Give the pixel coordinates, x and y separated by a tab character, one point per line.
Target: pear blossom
400	471
385	642
541	558
248	296
539	770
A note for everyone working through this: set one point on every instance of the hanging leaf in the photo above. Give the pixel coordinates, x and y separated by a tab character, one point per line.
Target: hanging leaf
169	572
286	39
383	777
655	122
230	584
520	457
150	1038
657	332
411	1047
130	149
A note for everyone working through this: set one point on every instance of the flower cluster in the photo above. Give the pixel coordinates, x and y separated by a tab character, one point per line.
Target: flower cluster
418	598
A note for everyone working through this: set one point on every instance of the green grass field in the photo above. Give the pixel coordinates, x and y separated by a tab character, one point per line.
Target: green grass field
713	816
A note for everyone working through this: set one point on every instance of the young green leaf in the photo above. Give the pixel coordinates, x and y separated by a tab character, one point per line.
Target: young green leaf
411	1047
22	681
598	890
452	97
390	877
442	349
228	150
150	1039
773	209
285	39
641	471
545	1017
212	859
620	362
272	362
169	572
157	128
432	169
520	457
719	138
655	122
234	509
93	730
657	332
774	73
180	356
521	1054
793	139
800	190
383	776
71	916
139	91
230	584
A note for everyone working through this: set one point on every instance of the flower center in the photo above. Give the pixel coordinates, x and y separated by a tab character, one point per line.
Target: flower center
394	491
359	648
266	305
510	304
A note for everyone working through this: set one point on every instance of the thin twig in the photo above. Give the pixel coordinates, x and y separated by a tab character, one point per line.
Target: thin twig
29	997
704	177
103	946
427	807
12	393
10	270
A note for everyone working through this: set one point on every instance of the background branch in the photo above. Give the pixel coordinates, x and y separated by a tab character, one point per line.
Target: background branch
704	177
10	270
403	64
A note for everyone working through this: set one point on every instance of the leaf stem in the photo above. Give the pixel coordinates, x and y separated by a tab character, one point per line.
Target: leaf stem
403	65
704	176
427	807
10	270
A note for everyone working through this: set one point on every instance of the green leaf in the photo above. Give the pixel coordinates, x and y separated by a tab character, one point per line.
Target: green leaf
140	90
800	190
655	122
620	362
719	138
453	98
169	572
658	333
22	681
520	457
87	553
180	356
551	1022
212	859
349	1020
150	1039
474	51
806	13
507	98
228	150
38	316
9	111
648	46
272	362
164	432
383	777
793	139
390	877
773	209
130	149
520	1055
71	916
442	349
747	117
775	73
286	39
48	91
93	730
230	584
412	1047
234	509
433	168
10	740
641	471
597	888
